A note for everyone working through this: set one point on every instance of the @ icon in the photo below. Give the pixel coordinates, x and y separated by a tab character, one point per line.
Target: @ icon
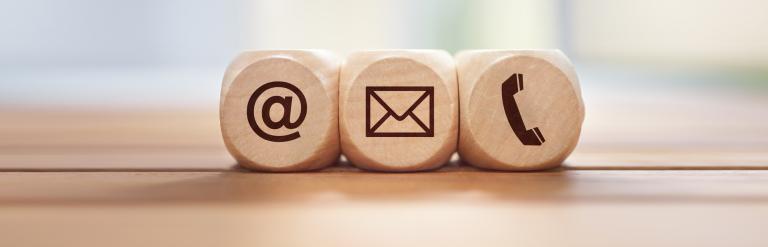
284	101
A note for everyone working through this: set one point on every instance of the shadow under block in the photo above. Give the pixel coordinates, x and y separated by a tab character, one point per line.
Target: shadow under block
398	109
279	110
520	110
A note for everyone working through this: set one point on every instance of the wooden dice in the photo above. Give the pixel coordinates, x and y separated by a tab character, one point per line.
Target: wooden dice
398	109
279	110
520	110
401	110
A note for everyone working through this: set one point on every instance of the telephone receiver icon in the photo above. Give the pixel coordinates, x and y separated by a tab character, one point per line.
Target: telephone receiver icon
509	88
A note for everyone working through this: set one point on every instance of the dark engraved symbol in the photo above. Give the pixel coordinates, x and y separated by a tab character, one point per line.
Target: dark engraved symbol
285	102
509	88
426	130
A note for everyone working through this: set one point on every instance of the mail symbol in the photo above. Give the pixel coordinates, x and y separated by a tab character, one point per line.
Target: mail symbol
402	116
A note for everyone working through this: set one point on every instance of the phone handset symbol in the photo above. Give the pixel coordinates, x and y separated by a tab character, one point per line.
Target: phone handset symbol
509	88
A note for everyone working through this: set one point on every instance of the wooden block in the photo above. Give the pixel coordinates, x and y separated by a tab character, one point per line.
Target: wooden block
279	110
520	110
399	109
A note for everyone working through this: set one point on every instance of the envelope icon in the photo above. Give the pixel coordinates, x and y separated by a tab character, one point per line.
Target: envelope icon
414	117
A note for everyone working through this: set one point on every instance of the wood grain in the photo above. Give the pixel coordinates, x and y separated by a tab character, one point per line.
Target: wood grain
293	96
520	109
653	168
183	140
160	178
347	207
410	95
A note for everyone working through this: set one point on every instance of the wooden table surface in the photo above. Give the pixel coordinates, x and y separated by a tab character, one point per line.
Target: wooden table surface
675	173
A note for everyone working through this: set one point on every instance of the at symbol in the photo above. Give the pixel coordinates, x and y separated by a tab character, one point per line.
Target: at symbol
285	102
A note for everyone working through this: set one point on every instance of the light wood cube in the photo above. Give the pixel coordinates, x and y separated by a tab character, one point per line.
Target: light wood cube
520	110
279	110
398	109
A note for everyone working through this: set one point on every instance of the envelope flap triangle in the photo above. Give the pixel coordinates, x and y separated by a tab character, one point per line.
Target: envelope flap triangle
401	103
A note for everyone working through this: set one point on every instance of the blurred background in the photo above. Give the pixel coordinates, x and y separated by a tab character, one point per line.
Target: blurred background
673	151
696	68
